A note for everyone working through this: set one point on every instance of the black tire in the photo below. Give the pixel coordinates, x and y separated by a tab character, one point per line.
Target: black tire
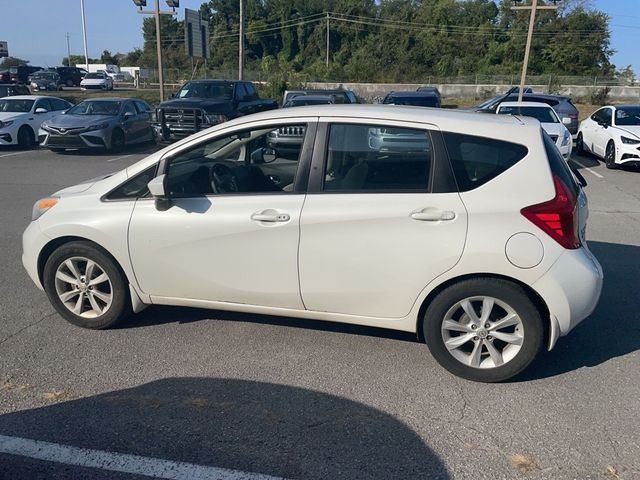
117	140
580	145
610	156
69	83
120	306
511	294
26	137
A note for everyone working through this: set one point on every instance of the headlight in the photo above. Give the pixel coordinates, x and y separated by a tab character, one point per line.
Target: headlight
6	124
42	206
566	138
97	127
629	141
216	118
44	126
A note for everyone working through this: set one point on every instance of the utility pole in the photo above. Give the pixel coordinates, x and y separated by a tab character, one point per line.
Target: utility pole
327	41
241	44
84	35
157	12
68	51
532	19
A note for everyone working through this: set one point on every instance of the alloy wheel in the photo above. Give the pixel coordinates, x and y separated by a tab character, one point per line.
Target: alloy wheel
83	287
482	332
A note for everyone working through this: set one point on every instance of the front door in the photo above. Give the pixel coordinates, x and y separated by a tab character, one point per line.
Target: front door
231	233
373	236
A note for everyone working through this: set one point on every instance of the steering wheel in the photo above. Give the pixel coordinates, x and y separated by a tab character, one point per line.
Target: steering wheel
223	180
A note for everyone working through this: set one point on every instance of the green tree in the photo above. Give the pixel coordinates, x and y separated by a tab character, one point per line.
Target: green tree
12	62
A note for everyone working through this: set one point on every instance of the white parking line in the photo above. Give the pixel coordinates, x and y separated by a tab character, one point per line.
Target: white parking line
15	153
120	462
593	172
119	158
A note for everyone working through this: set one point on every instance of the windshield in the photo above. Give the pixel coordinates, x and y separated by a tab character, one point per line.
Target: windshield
415	101
628	116
491	101
95	75
96	107
17	106
217	90
542	114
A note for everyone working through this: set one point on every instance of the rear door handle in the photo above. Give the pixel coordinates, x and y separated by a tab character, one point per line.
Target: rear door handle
433	215
270	216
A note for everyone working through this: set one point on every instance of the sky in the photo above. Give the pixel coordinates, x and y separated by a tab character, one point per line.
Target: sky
36	29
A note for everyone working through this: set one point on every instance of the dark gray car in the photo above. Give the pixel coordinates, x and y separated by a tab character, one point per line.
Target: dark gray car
561	105
108	123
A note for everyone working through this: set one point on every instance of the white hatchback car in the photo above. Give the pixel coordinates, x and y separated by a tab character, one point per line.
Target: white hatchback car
22	115
466	229
547	117
613	134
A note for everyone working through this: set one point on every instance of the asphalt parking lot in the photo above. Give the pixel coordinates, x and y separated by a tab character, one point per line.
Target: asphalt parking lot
228	395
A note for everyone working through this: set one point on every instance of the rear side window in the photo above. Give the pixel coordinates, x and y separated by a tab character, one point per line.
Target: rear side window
376	158
559	167
477	160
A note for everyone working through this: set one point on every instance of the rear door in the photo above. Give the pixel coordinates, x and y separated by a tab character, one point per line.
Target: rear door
374	230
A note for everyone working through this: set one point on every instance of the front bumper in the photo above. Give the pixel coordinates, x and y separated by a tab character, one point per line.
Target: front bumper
33	241
628	154
9	135
571	289
91	139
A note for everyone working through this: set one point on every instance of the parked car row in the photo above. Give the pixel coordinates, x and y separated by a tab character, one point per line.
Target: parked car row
24	74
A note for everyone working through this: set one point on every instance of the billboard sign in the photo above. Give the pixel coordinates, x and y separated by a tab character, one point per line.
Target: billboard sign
196	34
4	49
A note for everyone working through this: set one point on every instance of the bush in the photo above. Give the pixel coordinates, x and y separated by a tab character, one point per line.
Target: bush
600	96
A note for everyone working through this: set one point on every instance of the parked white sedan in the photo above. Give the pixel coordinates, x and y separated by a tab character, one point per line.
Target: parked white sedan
465	229
96	81
22	115
613	134
547	117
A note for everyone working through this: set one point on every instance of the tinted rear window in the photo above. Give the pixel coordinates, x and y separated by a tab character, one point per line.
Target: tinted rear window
477	160
559	167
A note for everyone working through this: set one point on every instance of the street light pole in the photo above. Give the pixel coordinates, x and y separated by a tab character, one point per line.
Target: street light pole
241	44
327	41
84	35
532	19
68	51
159	50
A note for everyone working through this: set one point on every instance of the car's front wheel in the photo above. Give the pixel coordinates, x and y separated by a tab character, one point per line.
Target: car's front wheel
610	156
85	286
485	329
580	145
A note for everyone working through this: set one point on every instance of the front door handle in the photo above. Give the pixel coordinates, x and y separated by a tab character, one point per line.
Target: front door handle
271	216
433	215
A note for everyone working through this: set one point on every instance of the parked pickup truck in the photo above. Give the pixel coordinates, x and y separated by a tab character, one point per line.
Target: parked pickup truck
201	104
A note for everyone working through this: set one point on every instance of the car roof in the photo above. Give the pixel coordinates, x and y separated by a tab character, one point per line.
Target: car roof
525	104
624	105
543	95
306	98
111	99
27	97
413	94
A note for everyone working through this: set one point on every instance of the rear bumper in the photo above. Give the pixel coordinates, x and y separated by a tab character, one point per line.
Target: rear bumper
571	289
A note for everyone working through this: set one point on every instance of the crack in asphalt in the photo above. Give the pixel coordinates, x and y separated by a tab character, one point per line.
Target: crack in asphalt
26	327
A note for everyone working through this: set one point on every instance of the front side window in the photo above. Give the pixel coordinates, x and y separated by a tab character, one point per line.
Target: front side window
129	108
374	158
476	160
263	160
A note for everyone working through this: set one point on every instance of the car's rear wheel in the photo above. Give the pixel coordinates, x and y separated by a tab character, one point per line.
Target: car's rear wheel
86	286
610	156
26	137
485	329
580	145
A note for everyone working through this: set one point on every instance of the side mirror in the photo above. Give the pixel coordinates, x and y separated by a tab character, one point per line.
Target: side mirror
603	124
580	177
41	110
264	155
158	191
566	120
127	116
173	95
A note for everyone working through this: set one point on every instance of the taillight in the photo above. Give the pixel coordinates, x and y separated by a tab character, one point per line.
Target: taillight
557	217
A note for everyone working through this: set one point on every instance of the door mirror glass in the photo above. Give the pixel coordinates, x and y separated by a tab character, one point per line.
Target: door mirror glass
566	120
41	110
264	155
128	115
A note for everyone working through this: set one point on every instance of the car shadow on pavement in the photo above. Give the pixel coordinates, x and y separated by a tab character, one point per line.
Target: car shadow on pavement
146	148
227	423
612	330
